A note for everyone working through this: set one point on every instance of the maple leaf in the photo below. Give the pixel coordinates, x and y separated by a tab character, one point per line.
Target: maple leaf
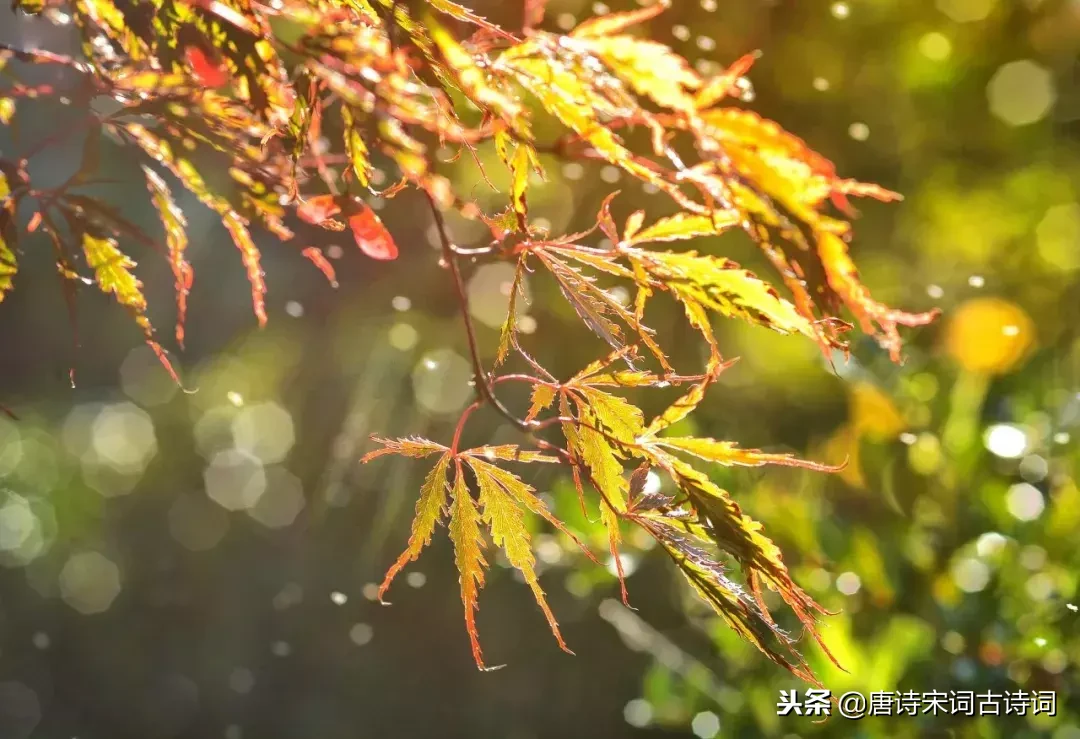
316	257
688	544
371	235
113	275
542	398
567	96
175	225
683	226
474	81
428	512
844	279
8	264
611	23
160	150
651	68
319	209
500	495
468	546
206	70
728	453
509	327
355	146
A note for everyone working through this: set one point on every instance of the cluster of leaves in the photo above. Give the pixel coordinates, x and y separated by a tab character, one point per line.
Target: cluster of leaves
255	90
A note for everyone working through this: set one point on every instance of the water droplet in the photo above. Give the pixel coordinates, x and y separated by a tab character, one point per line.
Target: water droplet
840	10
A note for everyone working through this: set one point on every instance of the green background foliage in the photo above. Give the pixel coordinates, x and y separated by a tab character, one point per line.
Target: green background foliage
947	545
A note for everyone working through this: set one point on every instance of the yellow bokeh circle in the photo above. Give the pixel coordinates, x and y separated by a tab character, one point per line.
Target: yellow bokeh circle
989	335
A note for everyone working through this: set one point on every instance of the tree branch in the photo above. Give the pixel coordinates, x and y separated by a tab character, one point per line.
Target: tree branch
484	391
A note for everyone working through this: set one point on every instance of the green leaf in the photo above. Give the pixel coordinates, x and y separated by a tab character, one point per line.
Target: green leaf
729	454
500	495
723	286
651	68
428	512
682	226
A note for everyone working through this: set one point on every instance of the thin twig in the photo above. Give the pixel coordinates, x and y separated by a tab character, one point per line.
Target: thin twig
484	391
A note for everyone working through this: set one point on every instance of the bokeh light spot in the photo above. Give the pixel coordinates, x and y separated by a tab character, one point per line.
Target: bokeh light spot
859	131
89	582
976	339
10	446
122	436
935	46
235	480
403	337
489	293
705	725
441	381
1024	501
638	713
1058	237
848	583
265	431
1006	441
966	11
360	634
20	710
970	575
281	502
1021	93
242	680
